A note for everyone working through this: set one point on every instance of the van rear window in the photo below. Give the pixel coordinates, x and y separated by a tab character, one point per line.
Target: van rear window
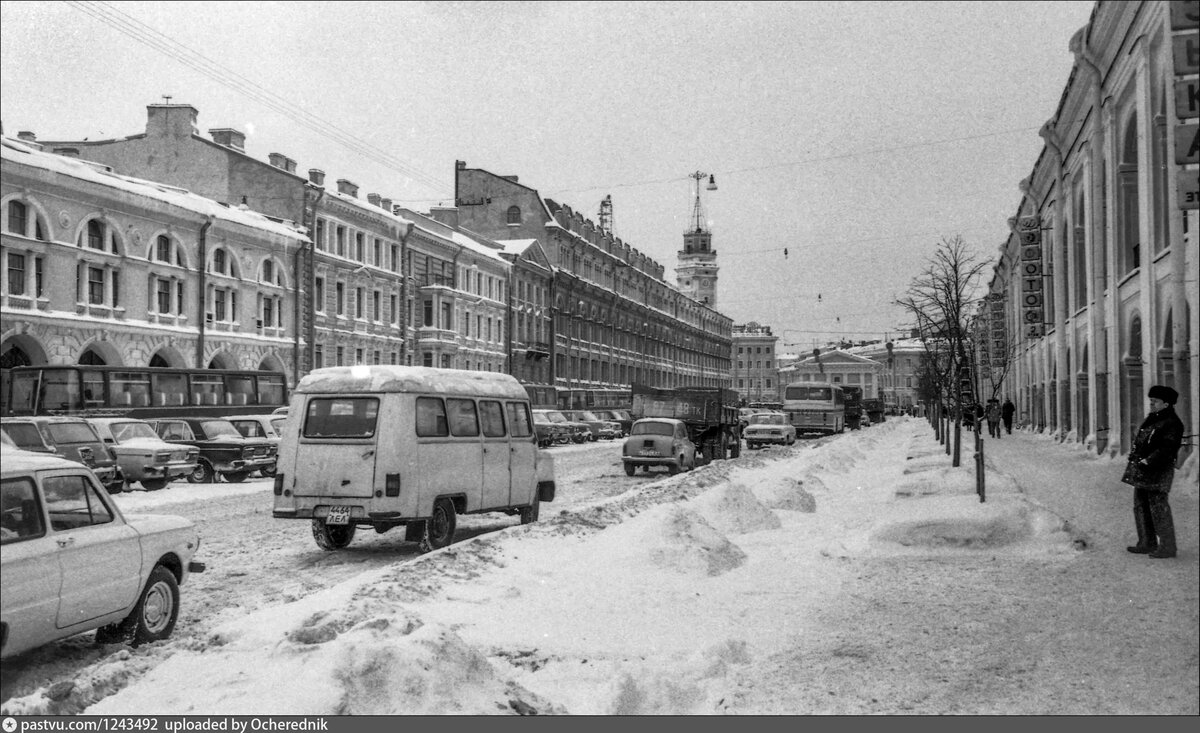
341	417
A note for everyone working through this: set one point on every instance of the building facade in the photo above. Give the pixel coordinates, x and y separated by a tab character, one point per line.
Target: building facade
899	379
99	268
837	367
1098	276
755	363
356	256
615	320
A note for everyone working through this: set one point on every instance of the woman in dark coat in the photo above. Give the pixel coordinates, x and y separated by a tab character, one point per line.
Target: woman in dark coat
1150	471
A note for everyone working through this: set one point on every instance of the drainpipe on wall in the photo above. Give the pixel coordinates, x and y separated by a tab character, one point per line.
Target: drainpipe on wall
404	291
1101	396
297	294
310	331
202	295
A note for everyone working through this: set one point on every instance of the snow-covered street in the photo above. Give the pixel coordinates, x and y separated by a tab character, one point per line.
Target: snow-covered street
854	575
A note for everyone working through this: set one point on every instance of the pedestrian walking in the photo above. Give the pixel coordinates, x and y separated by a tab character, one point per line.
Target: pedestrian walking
1007	412
1150	471
993	417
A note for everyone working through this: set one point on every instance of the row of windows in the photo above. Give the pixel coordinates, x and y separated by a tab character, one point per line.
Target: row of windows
756	349
353	245
360	301
755	364
97	235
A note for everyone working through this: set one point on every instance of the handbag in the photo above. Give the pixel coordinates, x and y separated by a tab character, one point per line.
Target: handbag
1134	474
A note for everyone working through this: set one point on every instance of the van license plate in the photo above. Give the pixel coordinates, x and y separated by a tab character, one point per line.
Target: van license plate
338	515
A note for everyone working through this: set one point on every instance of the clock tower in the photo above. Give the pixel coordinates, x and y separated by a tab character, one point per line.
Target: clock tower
697	269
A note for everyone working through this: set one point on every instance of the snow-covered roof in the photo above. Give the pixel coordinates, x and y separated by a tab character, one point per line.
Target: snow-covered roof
358	203
515	246
364	378
15	151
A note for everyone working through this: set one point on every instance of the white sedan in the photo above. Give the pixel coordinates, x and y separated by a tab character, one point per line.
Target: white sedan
769	428
70	562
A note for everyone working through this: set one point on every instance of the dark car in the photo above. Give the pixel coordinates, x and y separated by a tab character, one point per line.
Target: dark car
223	450
72	438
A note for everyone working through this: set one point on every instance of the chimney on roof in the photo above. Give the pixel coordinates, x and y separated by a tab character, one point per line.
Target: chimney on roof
373	199
67	152
397	210
289	165
172	120
447	215
316	176
386	205
460	165
27	136
229	137
347	187
278	160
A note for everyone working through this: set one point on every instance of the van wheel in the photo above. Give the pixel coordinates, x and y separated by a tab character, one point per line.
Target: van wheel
153	619
332	537
237	477
529	514
154	484
439	529
630	469
201	474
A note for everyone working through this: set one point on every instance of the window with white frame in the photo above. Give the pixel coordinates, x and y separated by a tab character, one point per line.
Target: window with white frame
360	303
97	284
340	306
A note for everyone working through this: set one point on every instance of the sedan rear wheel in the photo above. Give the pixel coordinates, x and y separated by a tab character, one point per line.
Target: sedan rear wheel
154	484
236	477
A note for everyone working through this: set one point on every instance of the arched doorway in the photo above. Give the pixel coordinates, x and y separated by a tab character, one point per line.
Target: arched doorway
1132	403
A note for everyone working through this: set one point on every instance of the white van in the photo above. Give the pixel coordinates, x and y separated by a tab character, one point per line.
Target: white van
392	446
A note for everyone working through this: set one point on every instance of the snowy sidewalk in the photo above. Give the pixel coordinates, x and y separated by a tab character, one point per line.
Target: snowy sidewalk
1085	490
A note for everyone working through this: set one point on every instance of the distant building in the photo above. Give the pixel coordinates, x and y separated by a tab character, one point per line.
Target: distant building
615	320
755	363
837	367
899	378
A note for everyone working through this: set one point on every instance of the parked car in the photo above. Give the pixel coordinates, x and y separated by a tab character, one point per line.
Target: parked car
223	450
72	438
268	427
600	428
580	433
548	432
71	562
621	417
658	441
142	455
769	428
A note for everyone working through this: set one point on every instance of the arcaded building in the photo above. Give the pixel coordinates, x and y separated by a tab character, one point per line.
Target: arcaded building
99	268
1098	275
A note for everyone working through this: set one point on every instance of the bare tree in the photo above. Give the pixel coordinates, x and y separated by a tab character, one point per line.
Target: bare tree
941	300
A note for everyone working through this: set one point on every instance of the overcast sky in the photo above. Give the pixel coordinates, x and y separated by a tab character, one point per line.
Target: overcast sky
856	135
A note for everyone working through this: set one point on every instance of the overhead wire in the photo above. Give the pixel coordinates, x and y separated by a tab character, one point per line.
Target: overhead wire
151	37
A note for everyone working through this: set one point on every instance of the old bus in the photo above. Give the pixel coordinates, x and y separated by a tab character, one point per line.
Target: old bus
815	407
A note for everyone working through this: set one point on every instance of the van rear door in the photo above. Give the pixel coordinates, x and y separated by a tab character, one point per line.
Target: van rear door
335	453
